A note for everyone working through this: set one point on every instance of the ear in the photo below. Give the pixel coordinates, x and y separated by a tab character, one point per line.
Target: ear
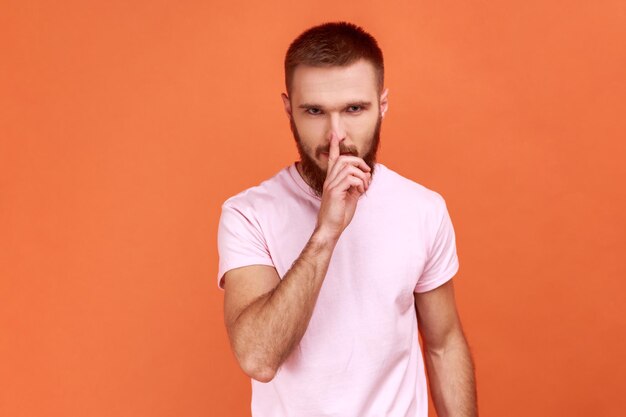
286	103
383	102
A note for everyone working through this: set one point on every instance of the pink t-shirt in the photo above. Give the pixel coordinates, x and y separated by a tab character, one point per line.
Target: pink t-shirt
360	354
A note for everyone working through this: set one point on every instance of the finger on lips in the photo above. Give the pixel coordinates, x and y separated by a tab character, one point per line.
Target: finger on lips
334	155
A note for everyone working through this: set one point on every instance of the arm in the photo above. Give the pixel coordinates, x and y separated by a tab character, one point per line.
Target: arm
265	332
448	360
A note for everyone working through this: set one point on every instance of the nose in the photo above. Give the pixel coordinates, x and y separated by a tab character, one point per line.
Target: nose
336	127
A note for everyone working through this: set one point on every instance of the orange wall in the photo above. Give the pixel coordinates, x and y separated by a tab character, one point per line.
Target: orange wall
124	125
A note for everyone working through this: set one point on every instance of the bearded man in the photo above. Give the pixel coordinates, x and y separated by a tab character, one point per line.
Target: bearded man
332	266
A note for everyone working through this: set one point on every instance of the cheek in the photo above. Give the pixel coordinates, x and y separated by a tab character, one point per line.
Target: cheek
310	130
360	128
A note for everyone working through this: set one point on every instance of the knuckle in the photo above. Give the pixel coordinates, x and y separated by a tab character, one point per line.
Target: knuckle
358	172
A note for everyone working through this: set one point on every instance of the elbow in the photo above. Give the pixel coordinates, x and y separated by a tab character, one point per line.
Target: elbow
254	365
452	342
252	360
257	370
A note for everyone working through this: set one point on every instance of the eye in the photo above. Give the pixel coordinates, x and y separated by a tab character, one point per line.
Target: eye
314	111
355	109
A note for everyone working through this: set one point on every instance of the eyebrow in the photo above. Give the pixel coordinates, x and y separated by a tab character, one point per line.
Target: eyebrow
360	103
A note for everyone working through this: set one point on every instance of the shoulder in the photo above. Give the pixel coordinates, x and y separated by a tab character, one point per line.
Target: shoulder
260	196
412	191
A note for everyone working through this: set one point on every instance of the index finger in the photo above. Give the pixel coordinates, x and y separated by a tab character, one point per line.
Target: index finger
333	153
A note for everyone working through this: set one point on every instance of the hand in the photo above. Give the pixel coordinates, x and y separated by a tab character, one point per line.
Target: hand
347	177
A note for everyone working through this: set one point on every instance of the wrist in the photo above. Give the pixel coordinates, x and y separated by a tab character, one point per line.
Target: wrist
323	237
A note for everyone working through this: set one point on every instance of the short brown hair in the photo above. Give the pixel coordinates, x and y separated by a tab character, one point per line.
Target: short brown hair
333	44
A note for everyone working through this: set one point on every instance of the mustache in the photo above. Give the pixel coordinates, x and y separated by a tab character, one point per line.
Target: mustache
341	151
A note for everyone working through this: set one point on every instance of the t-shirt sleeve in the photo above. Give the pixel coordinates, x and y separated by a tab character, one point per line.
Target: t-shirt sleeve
442	262
240	242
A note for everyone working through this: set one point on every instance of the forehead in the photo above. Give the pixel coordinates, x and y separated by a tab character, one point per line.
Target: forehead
334	85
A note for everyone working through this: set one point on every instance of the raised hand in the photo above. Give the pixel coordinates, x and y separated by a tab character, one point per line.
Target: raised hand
347	178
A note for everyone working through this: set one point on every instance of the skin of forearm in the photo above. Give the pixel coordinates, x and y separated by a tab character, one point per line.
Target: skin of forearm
451	375
269	329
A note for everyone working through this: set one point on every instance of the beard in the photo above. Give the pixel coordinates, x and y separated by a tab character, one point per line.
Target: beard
316	176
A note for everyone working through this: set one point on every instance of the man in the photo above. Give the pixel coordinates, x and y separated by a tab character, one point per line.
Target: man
329	266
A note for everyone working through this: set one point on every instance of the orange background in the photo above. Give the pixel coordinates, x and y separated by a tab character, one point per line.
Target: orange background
125	125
